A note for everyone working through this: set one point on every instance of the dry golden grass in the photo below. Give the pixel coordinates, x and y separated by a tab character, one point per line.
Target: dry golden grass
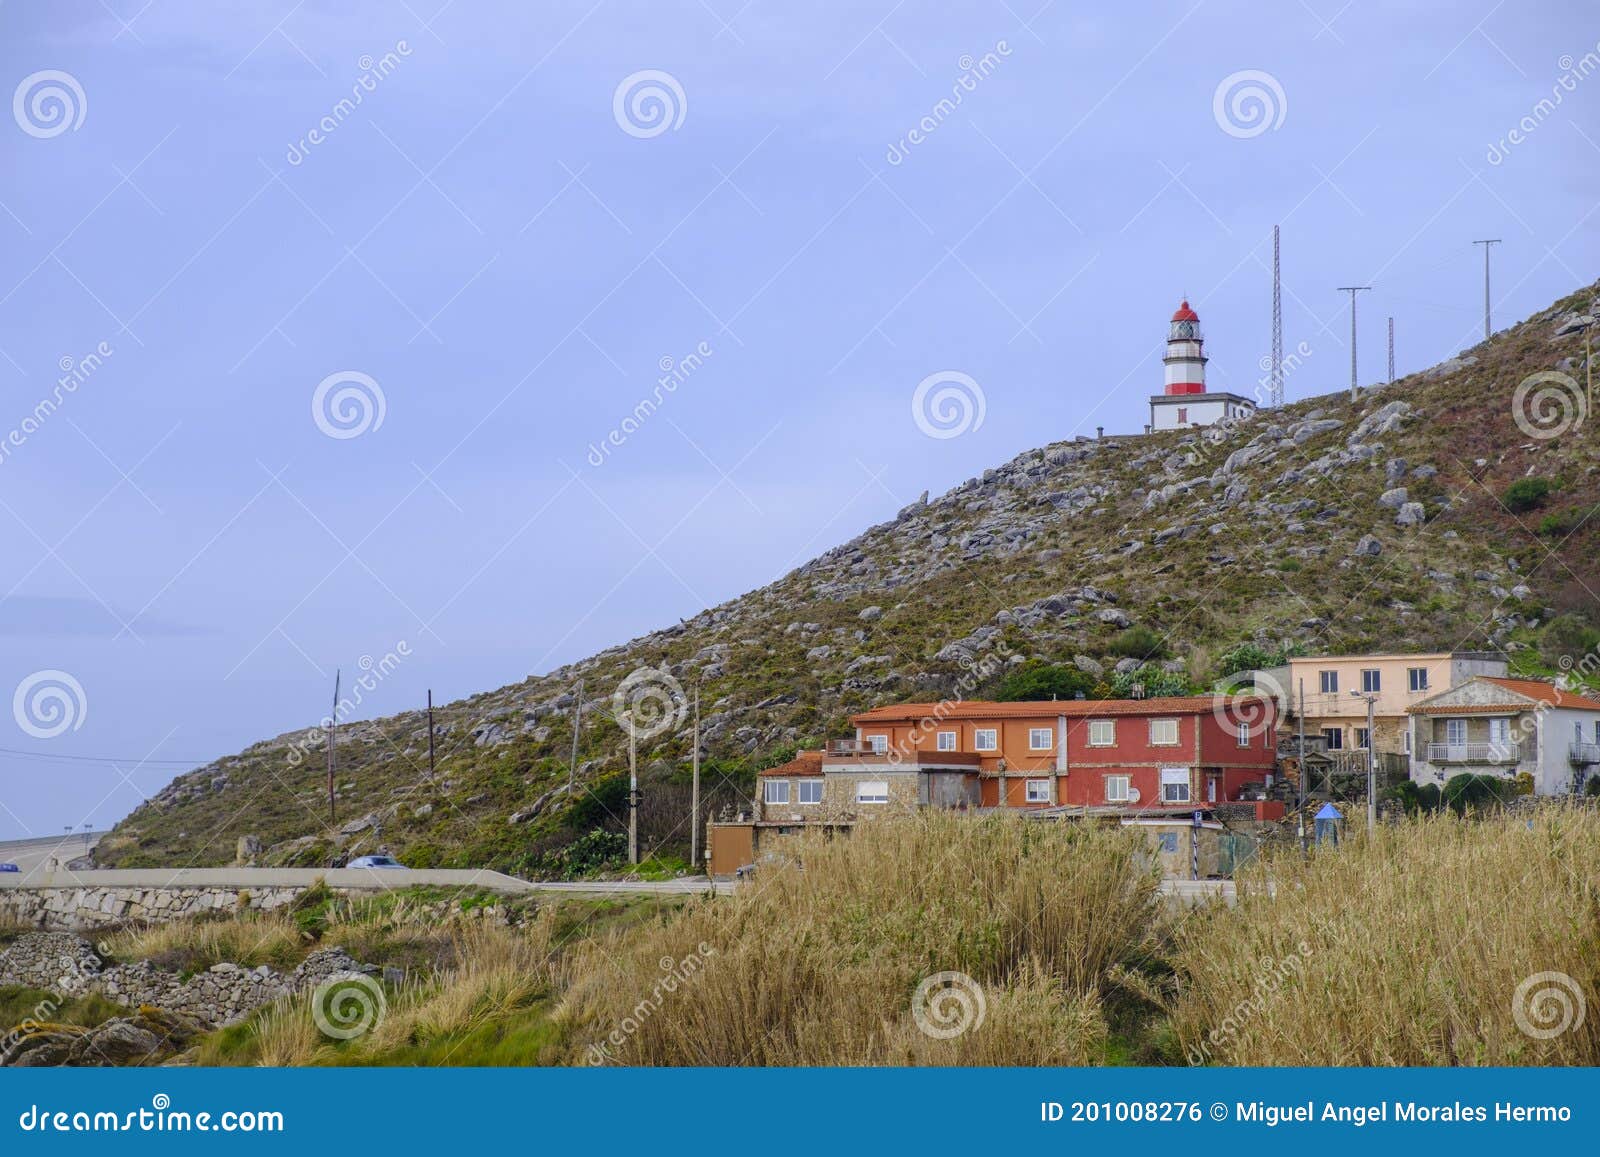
818	961
1408	949
192	945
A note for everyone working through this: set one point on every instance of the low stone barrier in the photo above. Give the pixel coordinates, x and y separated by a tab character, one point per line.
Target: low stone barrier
85	908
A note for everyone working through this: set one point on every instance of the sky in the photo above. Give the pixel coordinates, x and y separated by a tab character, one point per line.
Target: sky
324	325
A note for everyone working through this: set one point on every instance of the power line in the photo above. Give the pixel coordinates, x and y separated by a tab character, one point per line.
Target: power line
63	758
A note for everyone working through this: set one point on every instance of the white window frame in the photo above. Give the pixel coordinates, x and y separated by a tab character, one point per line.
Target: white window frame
1176	777
878	743
817	784
1157	742
1244	734
986	739
1049	739
1125	795
1455	732
1111	728
775	792
1363	739
1333	738
1417	678
878	794
1328	681
1371	680
1037	791
946	741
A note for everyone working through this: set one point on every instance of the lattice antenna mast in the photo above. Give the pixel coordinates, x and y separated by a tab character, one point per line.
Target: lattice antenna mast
1391	349
1487	243
1352	290
1277	325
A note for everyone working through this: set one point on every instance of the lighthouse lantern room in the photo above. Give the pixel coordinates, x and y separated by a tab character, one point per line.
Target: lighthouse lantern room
1185	402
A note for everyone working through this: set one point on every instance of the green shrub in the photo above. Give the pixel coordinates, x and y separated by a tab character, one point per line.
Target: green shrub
1139	642
1526	493
1465	793
1565	640
1036	680
1561	523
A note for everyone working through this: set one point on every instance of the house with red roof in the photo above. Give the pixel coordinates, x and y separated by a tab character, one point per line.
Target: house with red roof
1491	725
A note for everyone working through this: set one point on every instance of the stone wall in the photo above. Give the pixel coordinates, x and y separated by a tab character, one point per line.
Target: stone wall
224	994
87	908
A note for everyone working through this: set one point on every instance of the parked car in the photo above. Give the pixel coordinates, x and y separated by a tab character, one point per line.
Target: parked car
9	868
375	862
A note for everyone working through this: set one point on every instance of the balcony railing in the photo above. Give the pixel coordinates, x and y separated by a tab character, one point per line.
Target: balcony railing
1494	752
1585	753
853	747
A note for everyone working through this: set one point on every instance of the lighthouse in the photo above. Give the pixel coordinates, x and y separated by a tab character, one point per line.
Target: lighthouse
1184	402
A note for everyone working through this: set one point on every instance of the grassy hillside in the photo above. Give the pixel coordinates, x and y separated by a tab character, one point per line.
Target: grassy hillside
1272	532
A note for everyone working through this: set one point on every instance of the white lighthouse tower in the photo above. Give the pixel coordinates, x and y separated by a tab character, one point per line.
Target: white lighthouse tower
1185	403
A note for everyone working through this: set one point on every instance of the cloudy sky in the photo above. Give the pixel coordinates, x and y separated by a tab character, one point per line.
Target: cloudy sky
354	301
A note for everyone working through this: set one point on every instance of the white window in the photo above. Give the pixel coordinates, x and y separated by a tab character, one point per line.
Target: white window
1040	739
1038	791
1244	735
1174	785
1102	733
947	741
810	791
1363	737
985	739
880	743
872	791
1117	788
777	791
1455	731
1333	738
1329	681
1164	732
1417	678
1371	681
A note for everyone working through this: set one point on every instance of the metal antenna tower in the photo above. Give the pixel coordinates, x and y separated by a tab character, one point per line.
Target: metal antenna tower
1391	349
1277	325
1352	290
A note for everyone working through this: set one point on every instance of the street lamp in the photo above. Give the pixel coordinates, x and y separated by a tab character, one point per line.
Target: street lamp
1372	762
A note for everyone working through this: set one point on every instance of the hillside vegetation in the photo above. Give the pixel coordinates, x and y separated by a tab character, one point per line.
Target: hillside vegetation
1289	531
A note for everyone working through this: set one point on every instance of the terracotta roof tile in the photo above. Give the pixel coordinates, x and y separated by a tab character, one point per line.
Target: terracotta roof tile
1074	708
1536	689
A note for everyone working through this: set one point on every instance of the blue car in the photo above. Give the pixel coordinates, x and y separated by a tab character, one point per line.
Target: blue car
375	862
9	868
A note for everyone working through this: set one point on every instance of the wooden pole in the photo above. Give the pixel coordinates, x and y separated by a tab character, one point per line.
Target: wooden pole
333	736
577	726
694	791
633	797
430	735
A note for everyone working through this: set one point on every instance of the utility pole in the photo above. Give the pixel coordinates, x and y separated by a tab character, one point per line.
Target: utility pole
577	726
1352	290
1277	326
1372	762
1391	350
430	735
1486	243
694	791
333	738
1304	767
633	797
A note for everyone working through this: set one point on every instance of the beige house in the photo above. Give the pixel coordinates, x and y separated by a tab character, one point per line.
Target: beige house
1334	690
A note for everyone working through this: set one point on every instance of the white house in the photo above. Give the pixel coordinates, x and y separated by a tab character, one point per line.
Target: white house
1499	726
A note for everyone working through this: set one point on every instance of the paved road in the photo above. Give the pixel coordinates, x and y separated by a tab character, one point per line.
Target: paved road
32	855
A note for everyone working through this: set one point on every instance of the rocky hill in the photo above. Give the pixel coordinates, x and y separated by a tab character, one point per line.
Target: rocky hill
1391	522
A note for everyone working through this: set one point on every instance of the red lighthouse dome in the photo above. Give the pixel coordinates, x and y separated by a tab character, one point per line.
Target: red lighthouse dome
1185	313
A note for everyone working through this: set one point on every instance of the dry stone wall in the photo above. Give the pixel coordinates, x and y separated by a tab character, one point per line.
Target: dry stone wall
87	908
